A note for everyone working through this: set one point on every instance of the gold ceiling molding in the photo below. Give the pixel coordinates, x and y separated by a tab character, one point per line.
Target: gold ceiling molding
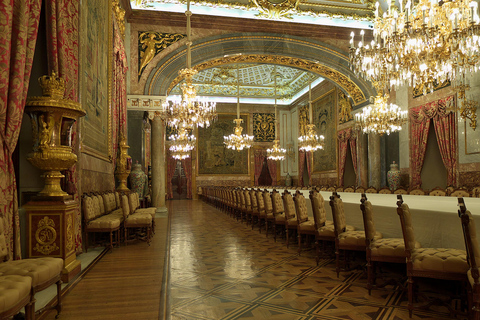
270	9
340	79
119	16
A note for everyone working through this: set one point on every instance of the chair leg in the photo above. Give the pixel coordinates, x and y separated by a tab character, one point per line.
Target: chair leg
410	296
86	241
337	261
299	237
317	250
287	232
369	276
274	232
58	307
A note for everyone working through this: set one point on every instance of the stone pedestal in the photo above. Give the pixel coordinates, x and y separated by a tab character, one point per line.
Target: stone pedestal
51	231
158	163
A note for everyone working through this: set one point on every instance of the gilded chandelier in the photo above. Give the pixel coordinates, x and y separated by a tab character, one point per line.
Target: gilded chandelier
237	140
182	144
277	153
421	44
382	117
310	141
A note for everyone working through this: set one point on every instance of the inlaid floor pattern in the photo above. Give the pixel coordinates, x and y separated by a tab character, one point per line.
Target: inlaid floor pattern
222	269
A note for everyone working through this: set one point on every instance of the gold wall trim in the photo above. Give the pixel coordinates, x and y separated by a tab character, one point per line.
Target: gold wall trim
340	79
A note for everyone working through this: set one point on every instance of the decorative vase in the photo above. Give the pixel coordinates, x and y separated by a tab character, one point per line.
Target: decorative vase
393	176
138	180
52	118
288	180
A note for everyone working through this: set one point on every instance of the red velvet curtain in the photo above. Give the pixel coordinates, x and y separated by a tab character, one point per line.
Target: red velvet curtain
18	34
446	129
259	156
62	49
301	166
272	168
446	132
343	140
171	165
187	166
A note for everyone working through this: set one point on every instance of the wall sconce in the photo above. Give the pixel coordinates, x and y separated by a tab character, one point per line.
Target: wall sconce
290	151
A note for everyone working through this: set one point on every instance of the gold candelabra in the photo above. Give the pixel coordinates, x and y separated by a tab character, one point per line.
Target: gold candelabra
310	141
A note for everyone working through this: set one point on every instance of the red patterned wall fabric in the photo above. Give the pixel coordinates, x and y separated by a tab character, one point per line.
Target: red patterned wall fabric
18	34
446	132
309	156
62	18
353	150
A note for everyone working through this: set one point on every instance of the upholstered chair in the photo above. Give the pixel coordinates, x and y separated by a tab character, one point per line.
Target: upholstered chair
371	190
262	216
243	205
463	193
304	225
349	189
135	221
437	192
248	206
379	249
400	190
339	189
290	216
441	263
417	191
323	188
360	189
331	189
269	218
255	213
385	190
324	228
278	213
473	259
15	295
476	192
344	240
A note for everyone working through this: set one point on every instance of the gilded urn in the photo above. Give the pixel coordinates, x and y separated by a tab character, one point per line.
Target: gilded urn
52	118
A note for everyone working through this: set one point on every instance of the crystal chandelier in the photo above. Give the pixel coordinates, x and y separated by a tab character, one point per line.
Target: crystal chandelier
276	153
237	140
182	144
381	118
191	112
421	45
310	141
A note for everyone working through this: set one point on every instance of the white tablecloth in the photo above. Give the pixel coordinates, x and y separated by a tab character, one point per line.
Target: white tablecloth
435	219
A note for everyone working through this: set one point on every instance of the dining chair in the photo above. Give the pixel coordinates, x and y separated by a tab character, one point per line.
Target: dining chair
278	213
463	193
379	249
339	189
476	192
255	212
290	217
344	240
262	216
349	189
248	206
417	191
400	190
360	189
385	190
473	259
437	192
269	218
435	263
371	190
304	225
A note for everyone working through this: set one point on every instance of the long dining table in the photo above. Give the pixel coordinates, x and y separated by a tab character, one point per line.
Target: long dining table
435	219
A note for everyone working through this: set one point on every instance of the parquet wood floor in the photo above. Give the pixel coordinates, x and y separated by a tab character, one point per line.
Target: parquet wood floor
219	268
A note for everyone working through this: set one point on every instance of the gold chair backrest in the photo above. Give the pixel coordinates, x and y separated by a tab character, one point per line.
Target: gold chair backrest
300	207
338	213
267	199
260	201
360	190
248	200
371	190
407	228
385	191
318	209
253	198
460	193
288	205
476	192
349	189
369	225
400	191
277	203
417	191
437	192
242	199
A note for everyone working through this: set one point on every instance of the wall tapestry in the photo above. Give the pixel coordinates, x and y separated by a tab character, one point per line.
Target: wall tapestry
324	120
95	76
213	157
303	120
264	127
152	43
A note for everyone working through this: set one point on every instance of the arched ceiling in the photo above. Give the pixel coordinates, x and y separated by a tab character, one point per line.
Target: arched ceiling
256	82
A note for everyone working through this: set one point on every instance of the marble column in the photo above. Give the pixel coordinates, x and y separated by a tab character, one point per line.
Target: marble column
374	160
194	170
158	162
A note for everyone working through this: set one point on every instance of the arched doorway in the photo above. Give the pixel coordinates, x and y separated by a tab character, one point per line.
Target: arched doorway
179	182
